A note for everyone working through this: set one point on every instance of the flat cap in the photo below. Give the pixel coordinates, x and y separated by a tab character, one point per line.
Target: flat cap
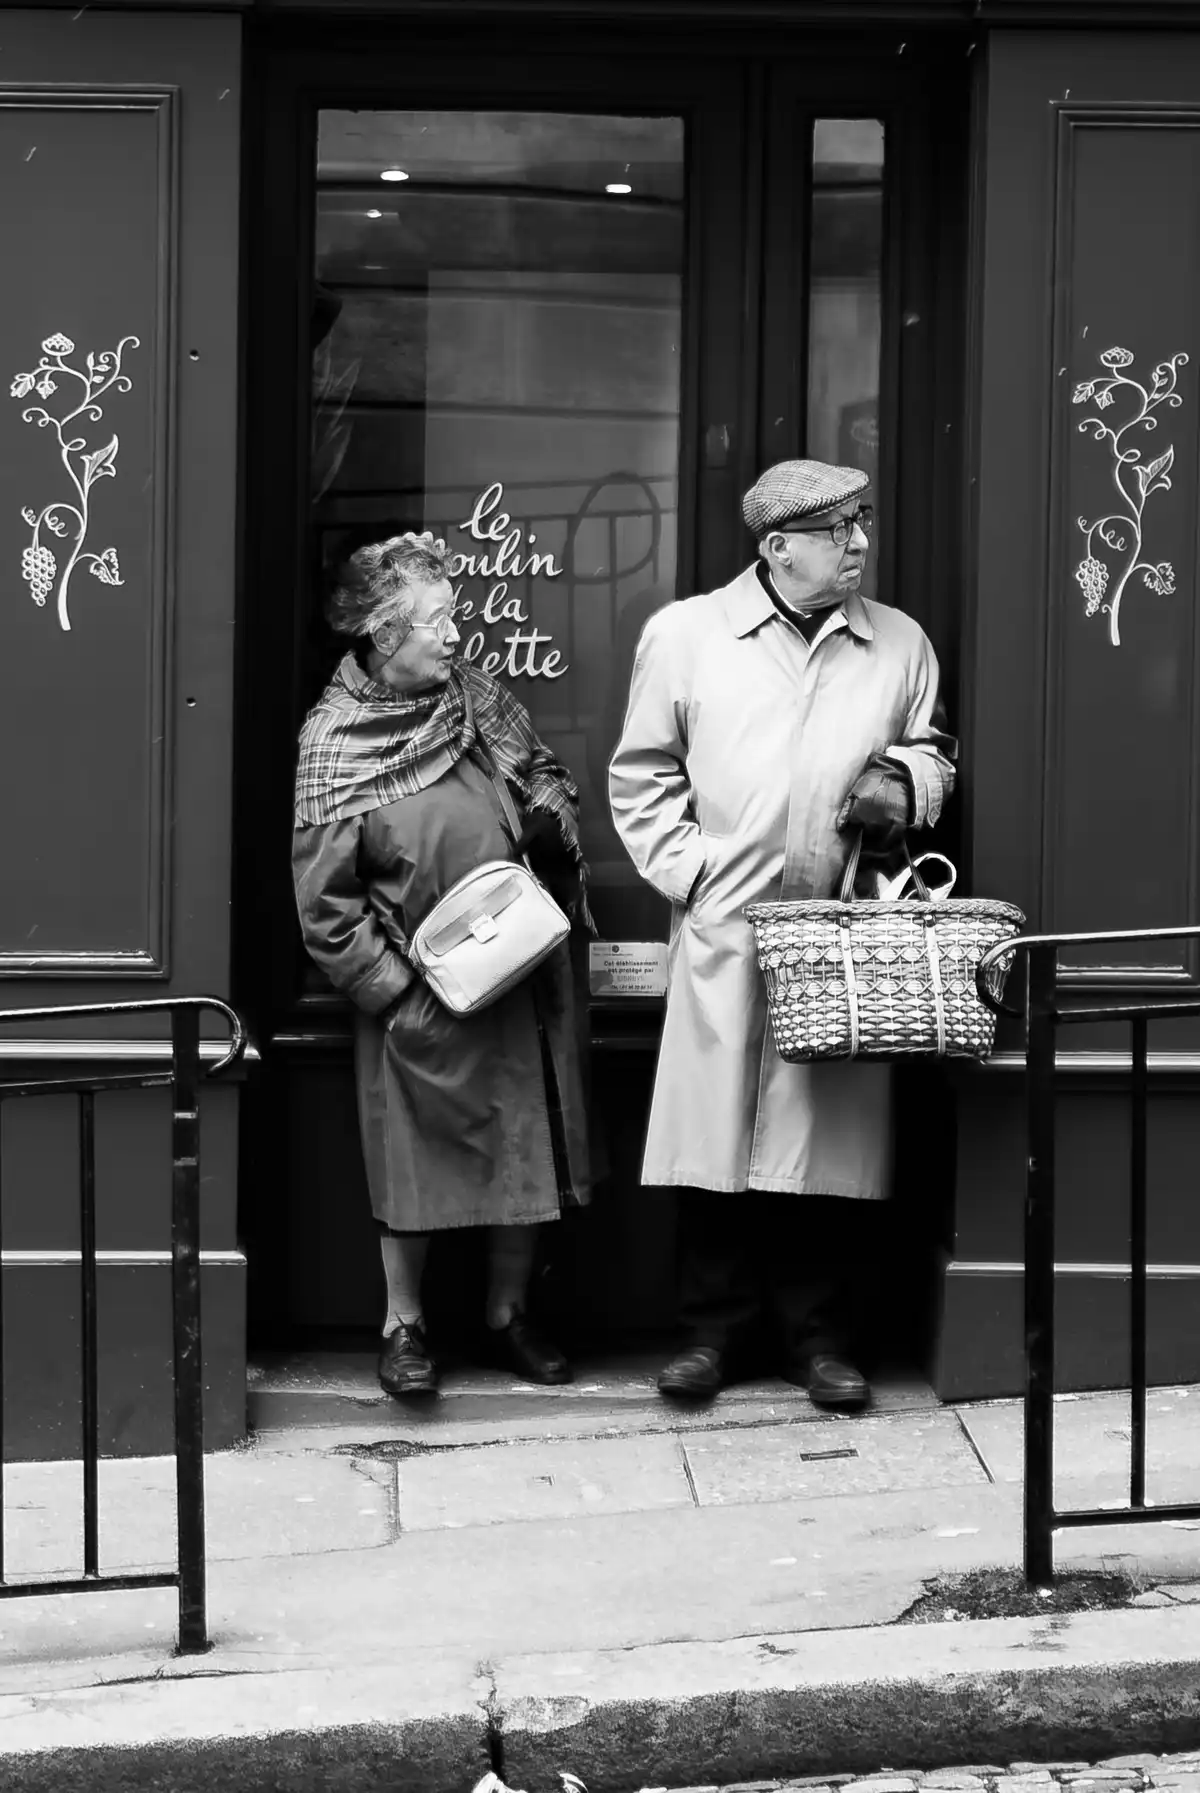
793	490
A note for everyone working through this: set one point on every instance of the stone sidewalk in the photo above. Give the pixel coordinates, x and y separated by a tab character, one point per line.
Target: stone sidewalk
580	1580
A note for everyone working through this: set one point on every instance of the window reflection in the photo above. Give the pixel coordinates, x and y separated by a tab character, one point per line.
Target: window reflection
501	363
845	299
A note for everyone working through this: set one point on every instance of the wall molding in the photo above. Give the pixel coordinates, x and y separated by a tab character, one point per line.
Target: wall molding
1062	538
153	959
116	1260
1103	1270
1112	1063
112	1051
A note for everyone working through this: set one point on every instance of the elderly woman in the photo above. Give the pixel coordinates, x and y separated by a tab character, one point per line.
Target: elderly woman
466	1122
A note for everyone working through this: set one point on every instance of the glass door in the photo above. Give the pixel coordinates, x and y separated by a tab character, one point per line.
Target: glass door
501	299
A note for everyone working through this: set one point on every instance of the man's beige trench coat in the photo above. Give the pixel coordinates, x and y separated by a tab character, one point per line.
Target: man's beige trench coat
739	748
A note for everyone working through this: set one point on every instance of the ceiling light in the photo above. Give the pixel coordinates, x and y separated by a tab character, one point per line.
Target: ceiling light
618	187
374	214
393	174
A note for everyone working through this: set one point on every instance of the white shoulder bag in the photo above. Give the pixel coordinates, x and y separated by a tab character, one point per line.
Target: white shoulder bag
492	927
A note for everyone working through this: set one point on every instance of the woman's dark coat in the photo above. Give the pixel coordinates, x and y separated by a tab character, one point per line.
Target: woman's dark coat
456	1119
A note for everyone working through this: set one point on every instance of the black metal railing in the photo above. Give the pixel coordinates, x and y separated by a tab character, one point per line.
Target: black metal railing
1043	1016
182	1077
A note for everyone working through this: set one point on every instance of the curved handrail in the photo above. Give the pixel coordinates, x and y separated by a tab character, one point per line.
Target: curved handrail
1025	942
149	1005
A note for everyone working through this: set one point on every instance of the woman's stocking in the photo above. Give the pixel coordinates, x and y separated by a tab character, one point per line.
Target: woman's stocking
403	1266
511	1252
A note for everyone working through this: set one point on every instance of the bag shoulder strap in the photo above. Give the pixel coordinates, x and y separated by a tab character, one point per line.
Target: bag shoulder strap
499	783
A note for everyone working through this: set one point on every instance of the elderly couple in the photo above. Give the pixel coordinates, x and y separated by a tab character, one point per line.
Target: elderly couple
766	722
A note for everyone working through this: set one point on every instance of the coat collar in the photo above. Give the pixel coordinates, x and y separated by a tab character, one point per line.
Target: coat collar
748	606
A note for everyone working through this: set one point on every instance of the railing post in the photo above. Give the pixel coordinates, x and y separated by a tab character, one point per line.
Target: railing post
1039	1267
185	1312
89	1333
1137	1265
1	1342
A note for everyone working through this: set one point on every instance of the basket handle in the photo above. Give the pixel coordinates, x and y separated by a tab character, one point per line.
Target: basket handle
851	872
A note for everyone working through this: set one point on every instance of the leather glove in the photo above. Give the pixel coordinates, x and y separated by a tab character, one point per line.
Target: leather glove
881	804
541	841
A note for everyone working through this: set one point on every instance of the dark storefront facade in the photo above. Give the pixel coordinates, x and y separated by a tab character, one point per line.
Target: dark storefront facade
557	283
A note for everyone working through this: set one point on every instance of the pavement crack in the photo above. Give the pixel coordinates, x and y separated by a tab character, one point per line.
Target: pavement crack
160	1674
493	1712
979	1456
687	1470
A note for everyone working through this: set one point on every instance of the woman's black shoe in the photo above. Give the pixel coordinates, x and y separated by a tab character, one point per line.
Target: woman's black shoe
696	1374
519	1347
405	1366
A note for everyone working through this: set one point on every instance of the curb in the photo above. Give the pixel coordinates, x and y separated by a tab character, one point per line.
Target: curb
998	1690
692	1714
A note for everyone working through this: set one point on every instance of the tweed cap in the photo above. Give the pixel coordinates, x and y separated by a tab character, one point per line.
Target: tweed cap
795	490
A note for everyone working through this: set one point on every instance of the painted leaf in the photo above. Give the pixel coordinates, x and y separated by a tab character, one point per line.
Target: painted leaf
95	466
105	567
1162	464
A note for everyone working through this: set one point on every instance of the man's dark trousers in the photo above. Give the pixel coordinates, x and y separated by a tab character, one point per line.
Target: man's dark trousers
793	1260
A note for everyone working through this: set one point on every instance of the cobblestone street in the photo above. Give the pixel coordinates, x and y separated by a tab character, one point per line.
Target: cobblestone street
1118	1774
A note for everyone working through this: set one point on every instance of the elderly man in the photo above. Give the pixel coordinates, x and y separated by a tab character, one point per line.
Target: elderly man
768	723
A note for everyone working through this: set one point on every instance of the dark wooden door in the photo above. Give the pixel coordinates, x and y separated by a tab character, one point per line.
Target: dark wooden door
1082	759
593	295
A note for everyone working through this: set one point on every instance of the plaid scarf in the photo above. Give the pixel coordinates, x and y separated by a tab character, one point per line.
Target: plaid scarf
364	745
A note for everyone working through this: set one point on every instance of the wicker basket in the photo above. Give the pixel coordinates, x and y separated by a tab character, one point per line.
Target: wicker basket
854	979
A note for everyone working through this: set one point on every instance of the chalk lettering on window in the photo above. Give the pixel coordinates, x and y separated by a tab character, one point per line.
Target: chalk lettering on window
525	651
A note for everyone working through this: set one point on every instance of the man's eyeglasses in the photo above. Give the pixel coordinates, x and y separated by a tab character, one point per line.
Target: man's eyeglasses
839	531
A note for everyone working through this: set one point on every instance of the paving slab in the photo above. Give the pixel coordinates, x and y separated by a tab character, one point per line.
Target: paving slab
1092	1441
255	1507
528	1482
862	1456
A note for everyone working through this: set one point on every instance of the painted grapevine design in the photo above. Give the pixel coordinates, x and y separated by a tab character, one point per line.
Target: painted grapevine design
1121	532
67	520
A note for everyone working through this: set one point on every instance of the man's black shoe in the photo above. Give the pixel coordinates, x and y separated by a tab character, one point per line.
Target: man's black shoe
519	1347
696	1374
831	1381
405	1366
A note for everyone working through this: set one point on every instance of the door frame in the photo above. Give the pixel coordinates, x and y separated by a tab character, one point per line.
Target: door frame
748	102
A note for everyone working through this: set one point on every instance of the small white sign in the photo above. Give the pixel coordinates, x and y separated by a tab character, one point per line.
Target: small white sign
628	968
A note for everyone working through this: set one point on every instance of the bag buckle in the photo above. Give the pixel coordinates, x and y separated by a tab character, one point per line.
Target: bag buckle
483	928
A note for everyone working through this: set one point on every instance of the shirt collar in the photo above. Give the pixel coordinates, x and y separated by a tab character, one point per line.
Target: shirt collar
748	604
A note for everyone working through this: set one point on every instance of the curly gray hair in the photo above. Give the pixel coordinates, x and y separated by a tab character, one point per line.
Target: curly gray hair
377	585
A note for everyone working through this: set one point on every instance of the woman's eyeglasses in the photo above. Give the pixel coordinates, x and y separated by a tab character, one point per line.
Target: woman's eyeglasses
442	627
839	532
